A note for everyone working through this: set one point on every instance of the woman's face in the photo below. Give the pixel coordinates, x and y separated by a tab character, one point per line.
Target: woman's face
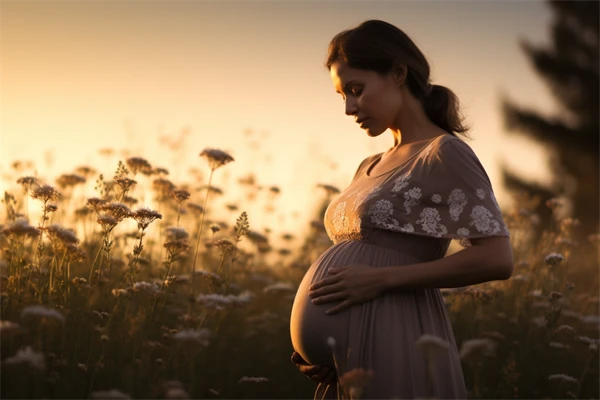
373	100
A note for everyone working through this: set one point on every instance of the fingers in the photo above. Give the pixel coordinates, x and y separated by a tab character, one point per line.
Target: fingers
324	282
333	288
329	298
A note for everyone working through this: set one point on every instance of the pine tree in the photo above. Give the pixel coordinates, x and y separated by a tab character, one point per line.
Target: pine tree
570	68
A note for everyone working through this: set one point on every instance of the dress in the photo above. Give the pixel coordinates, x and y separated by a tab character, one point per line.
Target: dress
406	215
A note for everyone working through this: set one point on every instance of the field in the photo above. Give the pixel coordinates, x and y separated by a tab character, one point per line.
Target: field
133	286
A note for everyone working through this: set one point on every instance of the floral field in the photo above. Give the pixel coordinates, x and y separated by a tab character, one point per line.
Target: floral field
135	286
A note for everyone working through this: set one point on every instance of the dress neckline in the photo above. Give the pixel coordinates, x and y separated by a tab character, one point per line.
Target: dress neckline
378	157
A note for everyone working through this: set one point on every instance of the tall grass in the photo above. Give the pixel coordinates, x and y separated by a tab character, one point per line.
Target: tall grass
109	295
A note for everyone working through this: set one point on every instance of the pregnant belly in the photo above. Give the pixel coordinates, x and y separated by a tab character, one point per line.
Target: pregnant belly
310	327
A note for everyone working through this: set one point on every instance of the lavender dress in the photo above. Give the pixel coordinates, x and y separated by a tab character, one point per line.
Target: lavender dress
406	215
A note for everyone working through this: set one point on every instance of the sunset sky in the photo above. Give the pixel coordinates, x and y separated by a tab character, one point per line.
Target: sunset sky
78	76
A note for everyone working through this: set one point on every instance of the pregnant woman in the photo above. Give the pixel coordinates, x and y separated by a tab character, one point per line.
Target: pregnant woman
366	301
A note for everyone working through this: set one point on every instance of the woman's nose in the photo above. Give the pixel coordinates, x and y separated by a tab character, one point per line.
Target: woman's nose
351	107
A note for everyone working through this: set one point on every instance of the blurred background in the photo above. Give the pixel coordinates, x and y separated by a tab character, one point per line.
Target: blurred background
90	83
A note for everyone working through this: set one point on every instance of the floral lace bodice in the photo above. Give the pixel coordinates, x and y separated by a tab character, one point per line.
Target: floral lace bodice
442	191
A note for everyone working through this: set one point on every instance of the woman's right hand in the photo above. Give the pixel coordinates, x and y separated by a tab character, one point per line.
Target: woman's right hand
317	373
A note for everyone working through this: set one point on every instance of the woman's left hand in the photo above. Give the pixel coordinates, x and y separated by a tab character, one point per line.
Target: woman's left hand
351	284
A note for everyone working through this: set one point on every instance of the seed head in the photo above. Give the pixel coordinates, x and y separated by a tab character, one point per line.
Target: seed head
20	229
69	180
180	195
138	164
45	193
553	259
216	158
27	182
144	216
117	210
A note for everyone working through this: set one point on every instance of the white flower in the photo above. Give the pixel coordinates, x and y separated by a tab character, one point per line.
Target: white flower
432	344
279	287
192	335
8	326
553	259
110	394
151	287
473	347
562	378
253	379
41	311
331	342
28	356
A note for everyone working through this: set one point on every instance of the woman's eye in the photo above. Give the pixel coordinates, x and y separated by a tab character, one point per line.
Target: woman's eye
356	91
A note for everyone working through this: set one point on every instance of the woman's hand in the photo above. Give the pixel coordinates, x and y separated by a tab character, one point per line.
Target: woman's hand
317	373
351	284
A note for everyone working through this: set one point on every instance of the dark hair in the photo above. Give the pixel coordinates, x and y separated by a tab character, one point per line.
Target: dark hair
379	46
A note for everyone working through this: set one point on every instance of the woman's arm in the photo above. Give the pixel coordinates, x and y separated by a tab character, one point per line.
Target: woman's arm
488	259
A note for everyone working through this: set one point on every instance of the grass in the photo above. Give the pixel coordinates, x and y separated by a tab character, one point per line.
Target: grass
104	298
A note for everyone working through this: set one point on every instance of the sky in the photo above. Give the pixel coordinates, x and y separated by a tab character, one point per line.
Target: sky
247	78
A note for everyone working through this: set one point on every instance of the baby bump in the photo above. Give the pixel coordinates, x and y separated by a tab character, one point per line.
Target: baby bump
310	327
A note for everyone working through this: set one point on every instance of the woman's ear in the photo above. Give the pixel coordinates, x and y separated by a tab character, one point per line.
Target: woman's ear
400	71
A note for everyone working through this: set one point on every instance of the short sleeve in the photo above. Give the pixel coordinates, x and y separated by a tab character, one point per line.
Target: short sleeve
461	197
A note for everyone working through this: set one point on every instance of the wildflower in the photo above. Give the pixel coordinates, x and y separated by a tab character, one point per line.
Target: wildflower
79	281
27	182
67	180
473	347
45	193
562	378
219	301
180	195
554	203
279	287
216	158
432	344
356	381
256	237
215	228
41	311
195	208
145	286
252	379
95	203
553	259
117	210
556	345
210	276
19	229
144	216
163	186
160	171
61	237
212	189
231	207
110	394
119	292
7	326
330	342
555	296
85	170
194	335
125	183
107	222
138	164
225	246
287	237
28	356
